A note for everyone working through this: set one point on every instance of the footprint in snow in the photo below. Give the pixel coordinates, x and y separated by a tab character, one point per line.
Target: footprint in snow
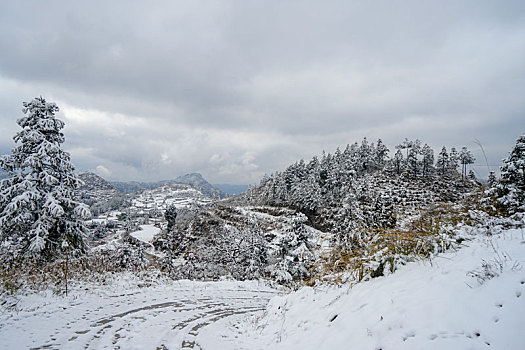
410	334
518	294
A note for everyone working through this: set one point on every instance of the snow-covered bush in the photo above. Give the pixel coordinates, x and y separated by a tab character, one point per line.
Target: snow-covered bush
40	215
290	255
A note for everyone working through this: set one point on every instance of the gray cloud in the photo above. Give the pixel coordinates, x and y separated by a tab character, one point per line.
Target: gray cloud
235	89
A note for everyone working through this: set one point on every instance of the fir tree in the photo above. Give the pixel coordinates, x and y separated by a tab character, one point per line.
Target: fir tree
412	161
171	216
465	158
39	213
453	160
491	181
381	153
442	162
398	161
512	184
428	159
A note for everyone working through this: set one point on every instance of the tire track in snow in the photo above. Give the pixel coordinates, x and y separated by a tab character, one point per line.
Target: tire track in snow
165	320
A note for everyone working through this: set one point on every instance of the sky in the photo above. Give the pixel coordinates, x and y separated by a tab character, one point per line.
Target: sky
237	89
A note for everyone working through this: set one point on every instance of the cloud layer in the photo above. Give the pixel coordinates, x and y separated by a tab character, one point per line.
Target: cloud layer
236	89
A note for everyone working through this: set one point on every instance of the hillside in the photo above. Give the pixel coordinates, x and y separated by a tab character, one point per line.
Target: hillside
197	181
99	194
469	298
194	179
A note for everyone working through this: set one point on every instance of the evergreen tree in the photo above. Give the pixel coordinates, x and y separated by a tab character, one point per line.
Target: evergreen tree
412	161
471	175
366	156
406	144
171	216
465	158
398	161
453	160
428	160
512	184
39	213
381	153
491	181
442	162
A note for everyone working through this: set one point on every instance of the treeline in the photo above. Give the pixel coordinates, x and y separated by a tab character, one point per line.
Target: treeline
327	181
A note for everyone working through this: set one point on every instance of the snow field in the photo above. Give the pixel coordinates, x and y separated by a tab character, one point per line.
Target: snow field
446	303
124	316
424	305
146	233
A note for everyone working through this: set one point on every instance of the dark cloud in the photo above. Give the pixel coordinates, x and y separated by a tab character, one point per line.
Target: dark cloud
235	89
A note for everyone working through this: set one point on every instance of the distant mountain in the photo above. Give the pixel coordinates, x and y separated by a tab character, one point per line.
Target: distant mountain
194	179
136	186
93	182
197	181
231	189
99	194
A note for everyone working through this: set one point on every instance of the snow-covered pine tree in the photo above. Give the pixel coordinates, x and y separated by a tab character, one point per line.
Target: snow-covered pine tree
465	158
39	213
381	153
453	160
398	161
428	159
366	154
412	161
491	180
442	161
406	144
171	216
512	183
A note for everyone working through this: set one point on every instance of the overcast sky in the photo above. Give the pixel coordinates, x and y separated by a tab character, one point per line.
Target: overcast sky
236	89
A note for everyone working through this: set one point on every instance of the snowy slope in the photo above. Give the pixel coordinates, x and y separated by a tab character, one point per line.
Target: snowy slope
425	305
146	233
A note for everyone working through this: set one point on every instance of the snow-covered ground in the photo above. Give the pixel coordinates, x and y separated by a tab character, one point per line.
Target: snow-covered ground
471	298
146	233
426	305
170	315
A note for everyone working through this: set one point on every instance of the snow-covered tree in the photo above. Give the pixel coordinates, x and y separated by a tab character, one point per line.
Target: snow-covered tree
412	161
291	252
366	156
398	161
491	180
442	162
453	159
171	216
40	215
465	158
381	153
512	184
428	159
406	144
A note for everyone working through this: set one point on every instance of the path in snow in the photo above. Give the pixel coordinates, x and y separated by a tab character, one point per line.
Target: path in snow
163	317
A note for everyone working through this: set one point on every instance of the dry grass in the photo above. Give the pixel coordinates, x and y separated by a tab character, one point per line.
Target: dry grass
376	252
28	274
